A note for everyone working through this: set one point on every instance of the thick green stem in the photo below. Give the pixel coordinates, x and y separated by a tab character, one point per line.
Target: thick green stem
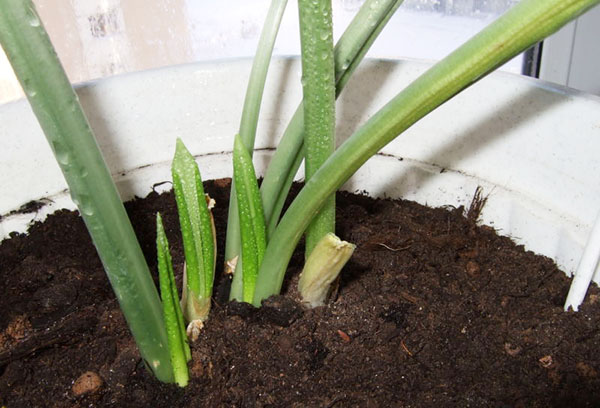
59	113
349	51
248	124
318	84
322	267
525	24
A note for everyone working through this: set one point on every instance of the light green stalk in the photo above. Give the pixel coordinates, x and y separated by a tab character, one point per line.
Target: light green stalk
348	52
177	340
322	267
276	206
318	84
247	132
525	24
251	216
59	113
356	41
198	234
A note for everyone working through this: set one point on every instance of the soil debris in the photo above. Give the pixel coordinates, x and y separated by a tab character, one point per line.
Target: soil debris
87	383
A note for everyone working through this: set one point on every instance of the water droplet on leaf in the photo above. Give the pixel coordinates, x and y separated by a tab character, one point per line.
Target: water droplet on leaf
62	156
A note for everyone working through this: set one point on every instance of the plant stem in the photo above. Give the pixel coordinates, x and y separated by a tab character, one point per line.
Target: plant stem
248	125
526	23
322	267
59	113
318	84
348	52
177	340
251	216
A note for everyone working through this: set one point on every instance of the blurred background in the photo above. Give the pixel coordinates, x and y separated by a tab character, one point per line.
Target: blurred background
99	38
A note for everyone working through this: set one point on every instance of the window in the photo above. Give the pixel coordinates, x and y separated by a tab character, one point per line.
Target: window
571	57
107	37
421	29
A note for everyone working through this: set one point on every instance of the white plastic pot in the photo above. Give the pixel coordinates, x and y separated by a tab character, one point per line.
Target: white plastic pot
532	146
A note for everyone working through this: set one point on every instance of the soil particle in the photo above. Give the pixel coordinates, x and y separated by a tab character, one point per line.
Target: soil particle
432	310
87	383
18	328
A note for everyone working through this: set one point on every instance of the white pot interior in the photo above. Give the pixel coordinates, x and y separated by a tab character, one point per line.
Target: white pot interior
530	145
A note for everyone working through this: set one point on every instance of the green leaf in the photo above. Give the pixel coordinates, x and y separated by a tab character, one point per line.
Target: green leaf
179	349
251	215
198	234
59	113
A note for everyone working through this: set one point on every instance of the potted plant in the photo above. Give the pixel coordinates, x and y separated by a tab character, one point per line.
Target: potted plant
86	210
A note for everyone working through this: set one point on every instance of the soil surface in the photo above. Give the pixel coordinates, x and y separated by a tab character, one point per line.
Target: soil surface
431	311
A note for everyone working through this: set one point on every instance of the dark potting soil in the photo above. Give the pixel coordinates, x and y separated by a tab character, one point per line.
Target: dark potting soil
432	310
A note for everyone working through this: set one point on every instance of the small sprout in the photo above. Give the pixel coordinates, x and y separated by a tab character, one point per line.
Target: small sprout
252	218
322	267
179	349
198	231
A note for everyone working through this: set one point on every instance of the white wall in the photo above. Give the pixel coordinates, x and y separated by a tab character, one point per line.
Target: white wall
571	57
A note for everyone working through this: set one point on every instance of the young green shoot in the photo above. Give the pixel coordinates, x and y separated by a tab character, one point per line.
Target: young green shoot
318	85
525	24
247	132
198	234
251	216
63	121
179	348
322	267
